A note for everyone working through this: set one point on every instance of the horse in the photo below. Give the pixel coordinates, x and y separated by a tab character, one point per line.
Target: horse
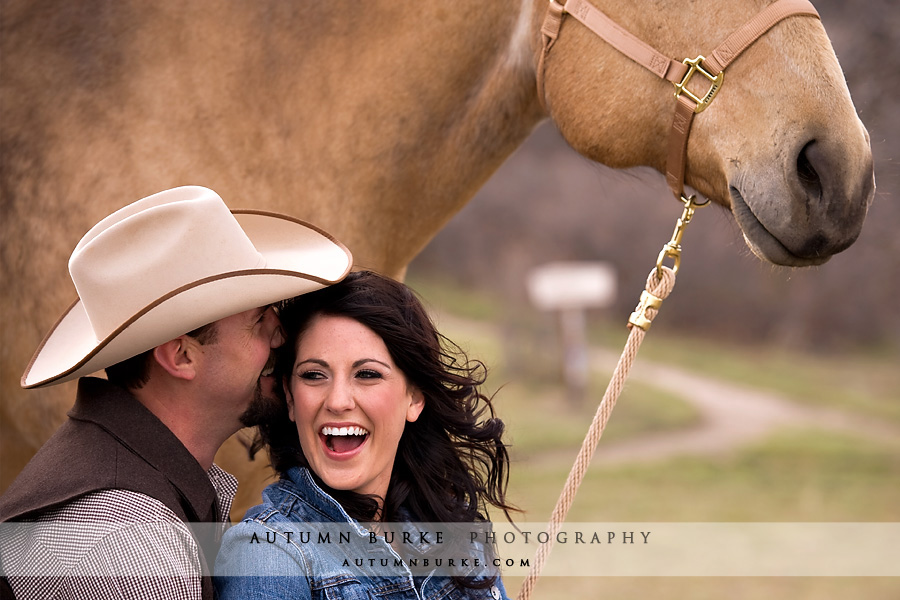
378	121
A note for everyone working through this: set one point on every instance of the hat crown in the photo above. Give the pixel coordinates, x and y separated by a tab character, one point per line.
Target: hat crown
154	247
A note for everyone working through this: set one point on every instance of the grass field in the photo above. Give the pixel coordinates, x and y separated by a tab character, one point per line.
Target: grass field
798	474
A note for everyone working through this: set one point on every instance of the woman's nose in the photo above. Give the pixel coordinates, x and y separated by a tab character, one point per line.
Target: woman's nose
340	398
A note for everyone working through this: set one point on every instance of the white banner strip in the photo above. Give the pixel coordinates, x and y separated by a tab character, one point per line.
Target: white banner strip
579	549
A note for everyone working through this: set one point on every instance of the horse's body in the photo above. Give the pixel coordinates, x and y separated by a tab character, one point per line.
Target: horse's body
377	121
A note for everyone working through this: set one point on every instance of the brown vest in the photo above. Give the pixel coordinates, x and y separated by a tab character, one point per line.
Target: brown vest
111	441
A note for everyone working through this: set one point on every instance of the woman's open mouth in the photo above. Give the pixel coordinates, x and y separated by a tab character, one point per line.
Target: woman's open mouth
343	441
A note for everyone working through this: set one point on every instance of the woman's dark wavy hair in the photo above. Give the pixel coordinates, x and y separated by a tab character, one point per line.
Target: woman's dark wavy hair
451	461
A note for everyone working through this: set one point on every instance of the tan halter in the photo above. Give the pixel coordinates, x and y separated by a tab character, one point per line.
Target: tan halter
679	73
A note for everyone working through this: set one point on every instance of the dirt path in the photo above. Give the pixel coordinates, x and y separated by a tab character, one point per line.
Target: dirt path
732	415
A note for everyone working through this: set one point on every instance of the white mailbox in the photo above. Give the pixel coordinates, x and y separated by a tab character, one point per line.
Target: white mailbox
569	289
572	285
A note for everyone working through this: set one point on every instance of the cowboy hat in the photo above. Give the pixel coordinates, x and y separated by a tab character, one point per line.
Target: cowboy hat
173	262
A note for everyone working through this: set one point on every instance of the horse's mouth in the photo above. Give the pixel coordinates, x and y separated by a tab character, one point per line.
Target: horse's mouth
761	241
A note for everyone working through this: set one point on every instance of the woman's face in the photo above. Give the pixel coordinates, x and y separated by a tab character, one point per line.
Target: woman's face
350	403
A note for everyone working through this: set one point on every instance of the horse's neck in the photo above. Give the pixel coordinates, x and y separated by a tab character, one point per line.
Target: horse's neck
375	120
489	117
437	99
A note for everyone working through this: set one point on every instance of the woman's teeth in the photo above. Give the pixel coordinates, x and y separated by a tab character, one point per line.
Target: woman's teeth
344	439
344	431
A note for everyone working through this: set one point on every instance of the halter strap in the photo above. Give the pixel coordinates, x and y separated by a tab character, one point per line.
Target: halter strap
679	73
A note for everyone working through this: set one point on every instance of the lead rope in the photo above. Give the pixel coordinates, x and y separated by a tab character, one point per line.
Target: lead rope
661	279
660	283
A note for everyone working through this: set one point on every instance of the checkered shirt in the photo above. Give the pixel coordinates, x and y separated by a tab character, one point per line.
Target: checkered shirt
74	549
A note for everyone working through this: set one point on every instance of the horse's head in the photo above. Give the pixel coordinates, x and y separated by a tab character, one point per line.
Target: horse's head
780	144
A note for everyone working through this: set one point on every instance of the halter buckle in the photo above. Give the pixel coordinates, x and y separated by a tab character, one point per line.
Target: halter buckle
715	83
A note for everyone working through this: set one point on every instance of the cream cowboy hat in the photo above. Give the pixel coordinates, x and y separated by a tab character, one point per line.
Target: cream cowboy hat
171	263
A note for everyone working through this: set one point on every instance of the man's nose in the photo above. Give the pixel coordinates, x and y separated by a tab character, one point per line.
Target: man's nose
278	337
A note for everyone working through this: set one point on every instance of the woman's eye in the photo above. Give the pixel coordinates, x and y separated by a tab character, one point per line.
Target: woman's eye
311	375
368	374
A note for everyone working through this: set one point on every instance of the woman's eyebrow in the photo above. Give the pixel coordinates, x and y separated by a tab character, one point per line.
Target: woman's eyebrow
355	365
317	361
363	361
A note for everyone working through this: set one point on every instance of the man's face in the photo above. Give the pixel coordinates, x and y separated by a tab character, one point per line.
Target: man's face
236	362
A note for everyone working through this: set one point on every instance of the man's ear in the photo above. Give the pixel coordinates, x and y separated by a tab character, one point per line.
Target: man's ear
178	357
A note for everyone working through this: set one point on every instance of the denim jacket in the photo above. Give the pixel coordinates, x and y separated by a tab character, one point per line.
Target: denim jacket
300	543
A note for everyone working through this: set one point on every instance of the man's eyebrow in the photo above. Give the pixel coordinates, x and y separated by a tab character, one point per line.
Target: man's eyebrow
259	311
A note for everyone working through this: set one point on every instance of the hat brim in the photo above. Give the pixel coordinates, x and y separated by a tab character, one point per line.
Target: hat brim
299	258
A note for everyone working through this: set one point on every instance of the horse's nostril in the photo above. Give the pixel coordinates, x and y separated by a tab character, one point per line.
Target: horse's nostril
807	172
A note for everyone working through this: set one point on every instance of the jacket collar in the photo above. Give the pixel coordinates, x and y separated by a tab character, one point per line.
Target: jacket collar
122	416
318	499
303	487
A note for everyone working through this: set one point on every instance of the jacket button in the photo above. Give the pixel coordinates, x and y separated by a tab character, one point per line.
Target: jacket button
495	592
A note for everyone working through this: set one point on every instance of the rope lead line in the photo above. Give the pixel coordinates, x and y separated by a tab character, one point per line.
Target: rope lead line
659	288
660	283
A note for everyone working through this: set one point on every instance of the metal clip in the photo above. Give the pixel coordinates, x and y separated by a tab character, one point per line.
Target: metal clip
639	317
673	248
715	83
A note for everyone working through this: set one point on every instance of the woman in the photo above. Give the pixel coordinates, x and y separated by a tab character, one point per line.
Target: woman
383	423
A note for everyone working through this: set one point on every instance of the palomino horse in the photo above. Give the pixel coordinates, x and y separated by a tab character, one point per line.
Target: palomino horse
377	121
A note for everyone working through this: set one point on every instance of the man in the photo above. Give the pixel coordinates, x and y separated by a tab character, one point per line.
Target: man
175	295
